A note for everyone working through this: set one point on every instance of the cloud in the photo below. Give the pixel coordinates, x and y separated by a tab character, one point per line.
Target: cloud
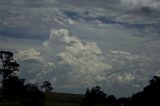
72	44
84	59
112	43
34	67
86	63
143	14
124	78
127	67
141	3
28	3
29	54
70	63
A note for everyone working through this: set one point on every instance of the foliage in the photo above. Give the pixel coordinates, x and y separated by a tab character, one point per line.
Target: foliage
95	96
14	91
32	96
9	66
47	86
149	95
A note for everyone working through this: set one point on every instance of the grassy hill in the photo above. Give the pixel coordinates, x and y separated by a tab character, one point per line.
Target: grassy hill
64	99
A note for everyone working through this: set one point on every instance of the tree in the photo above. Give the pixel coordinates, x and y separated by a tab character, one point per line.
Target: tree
14	90
8	66
47	86
150	94
8	69
95	96
32	96
111	99
11	84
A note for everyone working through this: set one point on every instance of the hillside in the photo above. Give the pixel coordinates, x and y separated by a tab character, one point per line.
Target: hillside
64	99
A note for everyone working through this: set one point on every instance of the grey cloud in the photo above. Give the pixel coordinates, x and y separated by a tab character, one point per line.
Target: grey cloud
46	18
147	10
28	54
84	62
33	65
28	3
77	49
124	69
85	16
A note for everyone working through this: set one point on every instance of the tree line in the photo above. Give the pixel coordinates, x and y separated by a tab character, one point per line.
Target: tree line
149	96
15	91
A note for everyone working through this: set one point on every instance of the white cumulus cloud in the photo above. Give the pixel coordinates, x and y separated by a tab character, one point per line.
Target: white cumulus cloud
28	54
84	58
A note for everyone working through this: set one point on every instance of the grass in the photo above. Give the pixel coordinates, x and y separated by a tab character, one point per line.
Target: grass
56	99
64	99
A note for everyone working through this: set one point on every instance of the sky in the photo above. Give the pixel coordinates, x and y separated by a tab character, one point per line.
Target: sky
77	44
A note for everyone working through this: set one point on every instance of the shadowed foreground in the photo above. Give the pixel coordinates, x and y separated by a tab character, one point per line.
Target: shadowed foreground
64	99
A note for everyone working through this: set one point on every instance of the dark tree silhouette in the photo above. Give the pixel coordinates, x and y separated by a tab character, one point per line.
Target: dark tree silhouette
47	86
150	94
14	91
8	69
95	96
9	66
124	101
111	99
32	96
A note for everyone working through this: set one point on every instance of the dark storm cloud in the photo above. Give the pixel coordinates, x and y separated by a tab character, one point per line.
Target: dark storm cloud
85	16
147	10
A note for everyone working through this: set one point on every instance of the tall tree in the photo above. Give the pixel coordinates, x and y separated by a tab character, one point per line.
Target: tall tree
8	66
8	69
